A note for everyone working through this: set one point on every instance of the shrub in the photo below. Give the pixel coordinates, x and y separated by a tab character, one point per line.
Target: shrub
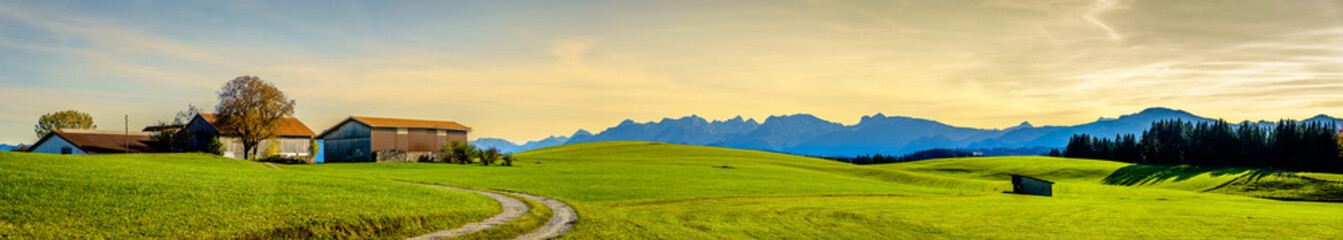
508	159
283	159
313	148
458	152
488	156
272	149
214	147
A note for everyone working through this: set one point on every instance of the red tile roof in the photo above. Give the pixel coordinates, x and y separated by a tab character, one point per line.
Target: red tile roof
410	123
293	127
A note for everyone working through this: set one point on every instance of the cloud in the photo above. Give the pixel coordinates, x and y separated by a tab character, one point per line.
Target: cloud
525	72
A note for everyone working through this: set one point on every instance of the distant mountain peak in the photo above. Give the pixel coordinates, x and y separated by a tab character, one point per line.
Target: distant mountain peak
1321	117
581	132
1158	113
877	116
1155	110
1024	124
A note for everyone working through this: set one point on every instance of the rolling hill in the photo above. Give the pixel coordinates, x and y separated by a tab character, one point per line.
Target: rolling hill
196	196
650	190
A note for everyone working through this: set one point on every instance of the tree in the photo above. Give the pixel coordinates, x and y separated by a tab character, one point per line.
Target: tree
68	119
183	117
1078	147
313	148
508	159
488	156
1054	152
272	149
170	140
253	110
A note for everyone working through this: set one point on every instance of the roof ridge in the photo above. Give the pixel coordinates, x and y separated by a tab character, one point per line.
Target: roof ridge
98	131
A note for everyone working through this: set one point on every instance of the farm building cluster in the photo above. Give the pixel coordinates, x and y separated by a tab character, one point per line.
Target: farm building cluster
355	139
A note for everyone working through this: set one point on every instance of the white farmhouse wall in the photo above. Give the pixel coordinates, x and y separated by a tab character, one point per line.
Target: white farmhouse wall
289	146
54	146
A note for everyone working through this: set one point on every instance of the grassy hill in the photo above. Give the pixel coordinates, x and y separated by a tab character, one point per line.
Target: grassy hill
182	196
641	190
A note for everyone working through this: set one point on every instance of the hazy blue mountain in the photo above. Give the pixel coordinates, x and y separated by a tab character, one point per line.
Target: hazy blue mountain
782	133
886	135
1126	124
579	136
1325	119
506	146
687	130
7	147
809	135
543	143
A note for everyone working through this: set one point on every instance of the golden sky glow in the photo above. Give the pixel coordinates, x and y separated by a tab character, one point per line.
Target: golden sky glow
526	70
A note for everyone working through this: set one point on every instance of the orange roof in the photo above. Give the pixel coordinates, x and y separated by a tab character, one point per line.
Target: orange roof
410	123
293	127
98	141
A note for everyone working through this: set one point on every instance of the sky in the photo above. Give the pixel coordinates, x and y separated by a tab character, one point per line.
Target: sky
524	70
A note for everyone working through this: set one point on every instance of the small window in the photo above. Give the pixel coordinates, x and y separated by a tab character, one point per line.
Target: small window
402	131
442	132
67	150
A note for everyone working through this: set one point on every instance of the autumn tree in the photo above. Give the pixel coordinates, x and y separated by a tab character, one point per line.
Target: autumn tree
68	119
253	110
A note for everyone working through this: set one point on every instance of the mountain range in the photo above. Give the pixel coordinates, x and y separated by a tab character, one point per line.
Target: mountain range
7	147
876	134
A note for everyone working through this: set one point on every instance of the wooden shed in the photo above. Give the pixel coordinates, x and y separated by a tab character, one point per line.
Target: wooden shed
1033	186
72	141
355	139
294	137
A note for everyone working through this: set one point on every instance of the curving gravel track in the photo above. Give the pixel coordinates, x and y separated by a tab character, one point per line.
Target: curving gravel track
560	223
513	209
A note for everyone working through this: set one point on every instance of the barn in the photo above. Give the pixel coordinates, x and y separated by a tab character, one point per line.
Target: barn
1033	186
358	139
294	137
72	141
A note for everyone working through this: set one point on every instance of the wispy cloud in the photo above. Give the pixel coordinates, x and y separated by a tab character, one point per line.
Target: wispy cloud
524	71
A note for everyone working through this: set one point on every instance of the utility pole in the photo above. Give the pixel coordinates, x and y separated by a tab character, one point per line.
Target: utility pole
127	121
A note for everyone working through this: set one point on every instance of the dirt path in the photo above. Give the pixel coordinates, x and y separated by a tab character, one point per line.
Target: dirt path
562	220
513	209
560	223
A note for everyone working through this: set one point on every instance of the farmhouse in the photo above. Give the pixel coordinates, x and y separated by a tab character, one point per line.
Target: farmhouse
293	140
1033	186
358	139
72	141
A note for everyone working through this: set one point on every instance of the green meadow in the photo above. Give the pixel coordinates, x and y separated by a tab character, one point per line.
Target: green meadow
642	190
184	196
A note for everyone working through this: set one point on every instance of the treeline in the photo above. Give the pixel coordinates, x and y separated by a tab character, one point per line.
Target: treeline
1290	145
920	155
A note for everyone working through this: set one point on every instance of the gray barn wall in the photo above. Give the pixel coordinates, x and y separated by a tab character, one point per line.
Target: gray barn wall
201	133
350	142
